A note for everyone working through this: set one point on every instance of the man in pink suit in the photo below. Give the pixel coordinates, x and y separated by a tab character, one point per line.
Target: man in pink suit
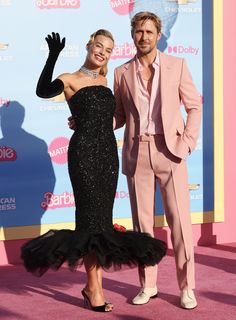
149	90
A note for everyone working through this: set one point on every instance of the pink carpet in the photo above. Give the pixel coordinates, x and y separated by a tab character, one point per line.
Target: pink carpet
57	294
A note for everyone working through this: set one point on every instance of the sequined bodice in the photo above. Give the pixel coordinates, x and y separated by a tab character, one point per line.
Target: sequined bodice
93	108
92	157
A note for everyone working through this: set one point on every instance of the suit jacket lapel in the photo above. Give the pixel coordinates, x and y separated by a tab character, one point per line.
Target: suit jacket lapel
164	75
132	82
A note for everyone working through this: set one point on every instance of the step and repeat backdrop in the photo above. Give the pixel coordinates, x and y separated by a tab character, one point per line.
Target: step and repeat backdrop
34	136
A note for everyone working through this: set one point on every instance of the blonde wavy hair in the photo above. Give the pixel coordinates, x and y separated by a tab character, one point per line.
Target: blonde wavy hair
107	34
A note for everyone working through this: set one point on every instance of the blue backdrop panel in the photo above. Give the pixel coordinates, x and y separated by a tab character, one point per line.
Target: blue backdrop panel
34	183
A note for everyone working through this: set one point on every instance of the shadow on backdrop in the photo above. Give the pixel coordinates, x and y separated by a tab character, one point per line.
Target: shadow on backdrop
26	173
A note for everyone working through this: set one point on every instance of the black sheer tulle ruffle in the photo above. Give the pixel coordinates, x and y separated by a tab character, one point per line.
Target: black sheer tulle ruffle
112	250
93	168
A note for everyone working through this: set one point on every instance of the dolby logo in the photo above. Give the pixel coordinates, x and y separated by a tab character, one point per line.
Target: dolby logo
181	49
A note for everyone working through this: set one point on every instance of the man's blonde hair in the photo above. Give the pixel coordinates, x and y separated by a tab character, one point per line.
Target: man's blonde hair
144	16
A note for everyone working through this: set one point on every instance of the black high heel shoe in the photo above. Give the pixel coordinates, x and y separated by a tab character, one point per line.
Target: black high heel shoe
88	304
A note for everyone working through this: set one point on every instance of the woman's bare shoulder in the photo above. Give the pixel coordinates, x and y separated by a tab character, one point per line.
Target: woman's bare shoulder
69	79
65	76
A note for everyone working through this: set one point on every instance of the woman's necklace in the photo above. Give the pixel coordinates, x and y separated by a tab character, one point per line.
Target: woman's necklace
90	73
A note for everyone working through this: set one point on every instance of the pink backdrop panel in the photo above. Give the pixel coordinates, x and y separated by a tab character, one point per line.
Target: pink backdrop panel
206	234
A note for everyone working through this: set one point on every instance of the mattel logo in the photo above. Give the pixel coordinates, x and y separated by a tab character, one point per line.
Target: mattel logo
7	154
122	7
55	4
58	150
54	201
182	49
124	51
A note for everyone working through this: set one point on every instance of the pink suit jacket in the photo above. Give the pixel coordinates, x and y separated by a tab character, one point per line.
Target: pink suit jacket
176	86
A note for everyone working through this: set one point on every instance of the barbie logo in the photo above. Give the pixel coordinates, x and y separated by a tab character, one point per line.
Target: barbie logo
126	50
58	150
54	4
54	201
7	154
122	7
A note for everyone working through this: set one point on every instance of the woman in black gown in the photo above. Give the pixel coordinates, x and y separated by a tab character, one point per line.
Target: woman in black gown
93	170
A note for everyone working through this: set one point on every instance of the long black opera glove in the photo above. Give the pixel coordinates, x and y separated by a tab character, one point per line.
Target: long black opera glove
46	88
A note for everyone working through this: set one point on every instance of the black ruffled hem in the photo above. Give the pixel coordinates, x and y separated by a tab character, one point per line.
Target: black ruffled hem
113	249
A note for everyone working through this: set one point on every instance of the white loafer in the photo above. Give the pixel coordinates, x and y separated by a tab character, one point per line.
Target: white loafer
144	295
187	299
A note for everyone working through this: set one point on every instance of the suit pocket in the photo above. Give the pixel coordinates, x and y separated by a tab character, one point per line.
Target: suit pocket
180	127
179	131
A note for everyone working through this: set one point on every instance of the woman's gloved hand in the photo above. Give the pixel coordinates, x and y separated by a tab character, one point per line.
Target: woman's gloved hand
46	88
55	44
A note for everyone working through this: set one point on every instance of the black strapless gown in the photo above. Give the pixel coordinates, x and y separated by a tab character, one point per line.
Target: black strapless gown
93	169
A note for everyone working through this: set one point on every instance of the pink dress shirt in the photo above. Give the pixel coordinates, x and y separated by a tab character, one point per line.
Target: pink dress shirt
149	105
